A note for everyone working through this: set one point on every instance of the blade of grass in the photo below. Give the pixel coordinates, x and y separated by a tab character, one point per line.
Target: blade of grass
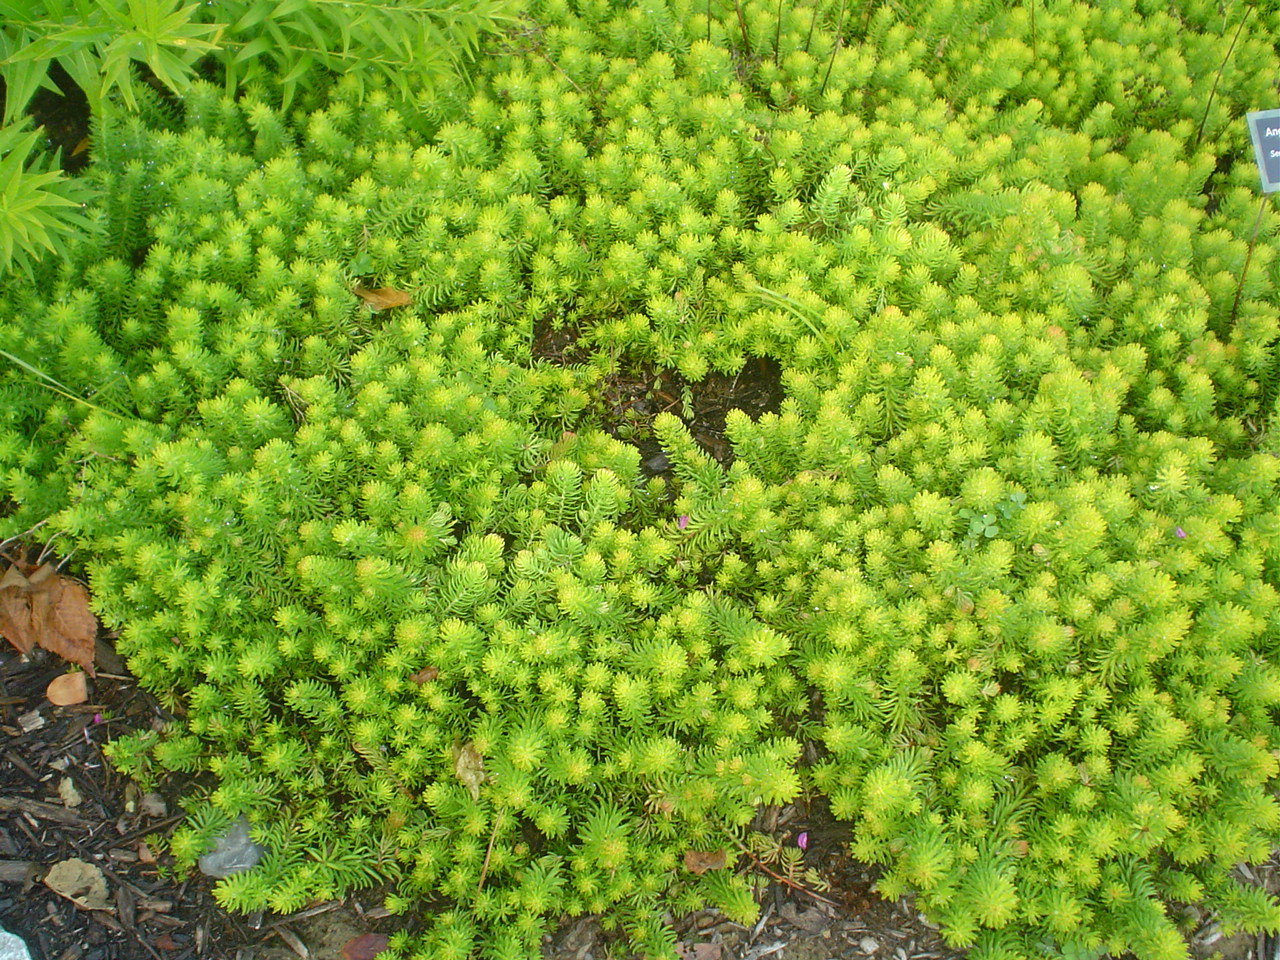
796	309
49	383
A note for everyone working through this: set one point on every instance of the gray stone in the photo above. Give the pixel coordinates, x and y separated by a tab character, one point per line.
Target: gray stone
12	947
233	853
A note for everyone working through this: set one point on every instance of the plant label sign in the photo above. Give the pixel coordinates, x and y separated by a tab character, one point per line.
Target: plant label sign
1264	130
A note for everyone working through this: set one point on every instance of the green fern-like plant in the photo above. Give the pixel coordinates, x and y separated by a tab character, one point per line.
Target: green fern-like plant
417	47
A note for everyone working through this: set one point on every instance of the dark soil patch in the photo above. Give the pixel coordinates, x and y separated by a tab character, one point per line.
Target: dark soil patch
64	116
631	399
555	343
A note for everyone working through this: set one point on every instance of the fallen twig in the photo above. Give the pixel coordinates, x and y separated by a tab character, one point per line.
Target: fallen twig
786	881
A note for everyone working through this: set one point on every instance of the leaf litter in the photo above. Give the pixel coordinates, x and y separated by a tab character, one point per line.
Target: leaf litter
382	298
42	608
468	766
80	882
698	862
68	689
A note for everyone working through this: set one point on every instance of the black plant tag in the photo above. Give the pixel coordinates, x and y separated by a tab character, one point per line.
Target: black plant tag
1264	130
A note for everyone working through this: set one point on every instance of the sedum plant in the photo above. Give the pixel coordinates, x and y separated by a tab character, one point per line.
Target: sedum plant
1003	561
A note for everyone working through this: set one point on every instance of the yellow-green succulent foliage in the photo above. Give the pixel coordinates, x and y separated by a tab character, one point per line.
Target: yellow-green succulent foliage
1006	556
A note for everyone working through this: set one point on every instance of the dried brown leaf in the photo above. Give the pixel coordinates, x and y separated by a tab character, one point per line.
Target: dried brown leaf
15	611
68	793
468	765
383	298
69	628
365	947
80	882
67	689
49	610
700	863
425	675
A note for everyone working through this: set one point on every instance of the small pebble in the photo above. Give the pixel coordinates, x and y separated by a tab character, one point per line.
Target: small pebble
868	945
233	853
68	792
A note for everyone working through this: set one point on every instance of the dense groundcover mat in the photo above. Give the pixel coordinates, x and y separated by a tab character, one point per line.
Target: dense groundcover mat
1005	557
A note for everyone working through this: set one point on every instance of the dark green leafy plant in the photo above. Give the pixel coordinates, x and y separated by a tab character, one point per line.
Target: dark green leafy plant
417	47
97	43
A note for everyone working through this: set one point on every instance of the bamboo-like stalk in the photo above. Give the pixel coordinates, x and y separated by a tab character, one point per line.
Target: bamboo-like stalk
1257	222
1218	76
835	48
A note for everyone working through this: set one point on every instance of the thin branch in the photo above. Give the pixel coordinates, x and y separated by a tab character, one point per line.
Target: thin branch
540	52
812	23
777	34
49	383
18	536
787	881
742	25
835	49
1257	222
1218	76
1034	53
484	867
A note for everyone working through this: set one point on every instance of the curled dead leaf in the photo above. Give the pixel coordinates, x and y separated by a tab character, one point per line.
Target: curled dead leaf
68	792
365	947
67	689
425	675
80	882
48	610
699	863
382	298
468	765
